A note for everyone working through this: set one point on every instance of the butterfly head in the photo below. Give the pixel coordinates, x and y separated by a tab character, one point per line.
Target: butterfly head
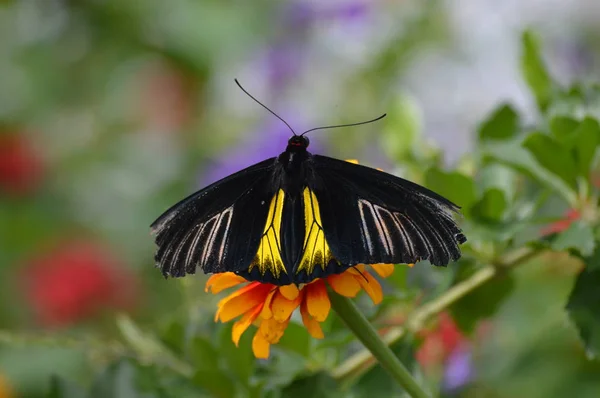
298	142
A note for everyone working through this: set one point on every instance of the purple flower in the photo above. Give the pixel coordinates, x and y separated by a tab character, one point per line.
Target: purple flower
298	16
348	11
283	62
459	368
286	55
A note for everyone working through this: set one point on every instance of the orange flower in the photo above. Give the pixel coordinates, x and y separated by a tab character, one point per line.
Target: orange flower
270	307
5	390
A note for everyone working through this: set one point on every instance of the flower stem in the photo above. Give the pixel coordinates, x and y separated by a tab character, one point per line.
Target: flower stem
363	360
364	331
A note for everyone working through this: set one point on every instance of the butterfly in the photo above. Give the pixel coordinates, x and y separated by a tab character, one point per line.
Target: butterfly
300	216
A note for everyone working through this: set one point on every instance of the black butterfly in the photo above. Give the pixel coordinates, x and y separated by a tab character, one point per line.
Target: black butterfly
299	216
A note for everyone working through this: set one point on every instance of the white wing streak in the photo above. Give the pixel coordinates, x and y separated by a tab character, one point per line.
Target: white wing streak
209	238
392	233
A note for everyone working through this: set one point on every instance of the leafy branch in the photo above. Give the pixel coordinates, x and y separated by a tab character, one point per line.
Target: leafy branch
363	360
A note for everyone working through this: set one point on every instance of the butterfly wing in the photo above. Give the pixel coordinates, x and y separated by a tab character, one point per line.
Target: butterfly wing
218	228
369	216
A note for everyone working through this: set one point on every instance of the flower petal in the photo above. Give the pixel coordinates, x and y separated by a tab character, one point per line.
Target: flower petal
272	330
358	268
241	325
371	286
282	307
313	327
290	292
266	312
344	284
219	282
317	301
242	301
384	270
260	346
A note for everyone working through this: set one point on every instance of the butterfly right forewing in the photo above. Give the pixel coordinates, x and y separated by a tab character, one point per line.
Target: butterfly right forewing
373	217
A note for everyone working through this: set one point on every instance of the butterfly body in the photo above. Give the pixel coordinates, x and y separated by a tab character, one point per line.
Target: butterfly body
299	216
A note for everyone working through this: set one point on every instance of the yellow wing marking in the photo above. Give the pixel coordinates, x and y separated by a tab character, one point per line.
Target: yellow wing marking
316	251
268	256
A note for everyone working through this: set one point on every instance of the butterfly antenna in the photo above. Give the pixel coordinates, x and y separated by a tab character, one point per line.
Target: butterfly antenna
345	125
264	106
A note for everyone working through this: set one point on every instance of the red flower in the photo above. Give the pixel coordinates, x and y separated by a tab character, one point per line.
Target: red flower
440	342
20	165
561	225
76	281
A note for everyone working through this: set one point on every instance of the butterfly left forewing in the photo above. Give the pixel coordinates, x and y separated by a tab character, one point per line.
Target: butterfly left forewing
219	228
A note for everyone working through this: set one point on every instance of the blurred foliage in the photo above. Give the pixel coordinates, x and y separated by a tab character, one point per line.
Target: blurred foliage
110	111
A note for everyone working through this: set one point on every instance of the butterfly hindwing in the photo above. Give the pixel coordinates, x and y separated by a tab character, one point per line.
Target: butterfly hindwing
219	228
316	258
373	217
293	248
268	264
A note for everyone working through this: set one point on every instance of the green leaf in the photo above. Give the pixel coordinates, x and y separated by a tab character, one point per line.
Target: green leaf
562	128
203	354
29	377
552	156
582	307
61	388
491	206
482	233
173	336
457	187
498	176
534	71
592	261
587	140
216	382
579	99
398	279
481	303
318	385
281	369
579	236
239	360
117	381
501	124
146	344
512	153
581	138
150	380
402	128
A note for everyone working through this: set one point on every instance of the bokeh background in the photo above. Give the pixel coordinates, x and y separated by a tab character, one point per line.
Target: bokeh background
112	110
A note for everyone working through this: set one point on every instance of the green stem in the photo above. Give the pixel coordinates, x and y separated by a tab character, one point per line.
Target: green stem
363	360
366	333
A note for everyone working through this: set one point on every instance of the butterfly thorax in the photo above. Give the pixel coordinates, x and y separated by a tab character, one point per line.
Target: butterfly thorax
293	164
